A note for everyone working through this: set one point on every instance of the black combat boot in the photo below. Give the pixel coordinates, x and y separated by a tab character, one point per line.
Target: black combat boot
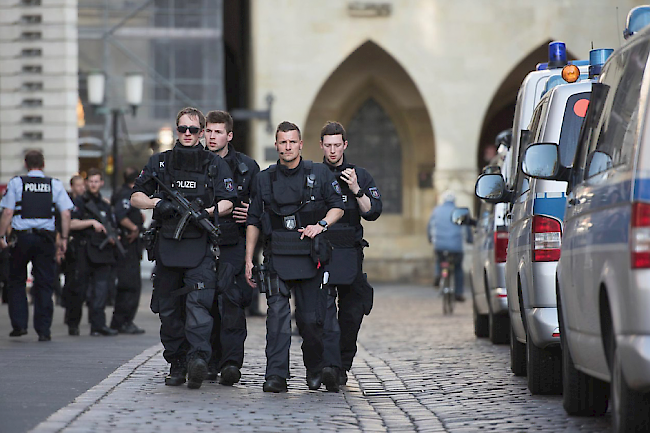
197	372
213	369
230	375
331	378
343	377
177	372
314	380
275	384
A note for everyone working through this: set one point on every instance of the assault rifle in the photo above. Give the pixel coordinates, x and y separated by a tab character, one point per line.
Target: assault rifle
193	211
111	232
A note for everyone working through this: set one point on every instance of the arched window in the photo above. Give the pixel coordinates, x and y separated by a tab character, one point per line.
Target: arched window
375	146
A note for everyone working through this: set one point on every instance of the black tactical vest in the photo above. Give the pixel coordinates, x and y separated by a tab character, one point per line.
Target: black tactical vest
192	184
308	211
37	201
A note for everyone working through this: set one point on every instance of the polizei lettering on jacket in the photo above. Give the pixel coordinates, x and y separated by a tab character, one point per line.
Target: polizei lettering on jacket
37	187
186	184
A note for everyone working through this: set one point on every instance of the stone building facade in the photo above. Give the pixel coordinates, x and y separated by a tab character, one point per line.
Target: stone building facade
421	85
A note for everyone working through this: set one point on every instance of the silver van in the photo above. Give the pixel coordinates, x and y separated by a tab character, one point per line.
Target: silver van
603	276
487	269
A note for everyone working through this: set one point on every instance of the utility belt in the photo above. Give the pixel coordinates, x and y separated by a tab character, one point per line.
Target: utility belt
49	234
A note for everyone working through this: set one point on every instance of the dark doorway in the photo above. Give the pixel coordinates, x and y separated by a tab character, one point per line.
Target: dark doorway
375	145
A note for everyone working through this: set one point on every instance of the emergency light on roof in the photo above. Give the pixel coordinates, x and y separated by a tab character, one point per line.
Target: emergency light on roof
597	59
570	73
556	55
637	18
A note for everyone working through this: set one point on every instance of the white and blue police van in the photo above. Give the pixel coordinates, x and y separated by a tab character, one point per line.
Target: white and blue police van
603	275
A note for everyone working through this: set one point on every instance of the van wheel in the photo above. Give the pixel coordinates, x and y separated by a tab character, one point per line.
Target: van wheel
481	323
544	369
582	394
499	328
630	408
517	355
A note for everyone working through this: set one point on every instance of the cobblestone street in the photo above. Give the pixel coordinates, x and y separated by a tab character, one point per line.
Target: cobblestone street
416	370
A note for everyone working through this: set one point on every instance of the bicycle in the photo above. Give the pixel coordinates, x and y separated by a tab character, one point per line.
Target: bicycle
446	277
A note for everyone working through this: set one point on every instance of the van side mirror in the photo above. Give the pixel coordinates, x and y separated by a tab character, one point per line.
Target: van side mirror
460	216
542	161
492	188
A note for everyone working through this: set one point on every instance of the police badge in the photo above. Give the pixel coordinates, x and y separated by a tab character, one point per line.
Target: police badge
228	184
290	222
337	187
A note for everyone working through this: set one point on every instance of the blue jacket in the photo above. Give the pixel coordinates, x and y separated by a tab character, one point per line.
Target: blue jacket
443	233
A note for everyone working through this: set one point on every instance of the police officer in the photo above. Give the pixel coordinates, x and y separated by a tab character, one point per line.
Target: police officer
292	203
92	220
228	309
362	200
29	205
185	280
129	282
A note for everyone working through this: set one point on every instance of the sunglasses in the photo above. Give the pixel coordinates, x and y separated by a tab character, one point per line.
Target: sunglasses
193	129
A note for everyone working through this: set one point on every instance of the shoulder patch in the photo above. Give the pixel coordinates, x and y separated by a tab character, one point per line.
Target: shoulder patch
228	184
374	192
336	186
126	203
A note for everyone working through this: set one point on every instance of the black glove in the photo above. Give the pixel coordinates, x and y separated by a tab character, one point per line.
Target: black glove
164	209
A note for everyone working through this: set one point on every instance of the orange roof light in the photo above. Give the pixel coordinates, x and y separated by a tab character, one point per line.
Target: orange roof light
570	73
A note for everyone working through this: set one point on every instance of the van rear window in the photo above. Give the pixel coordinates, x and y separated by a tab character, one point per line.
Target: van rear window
574	115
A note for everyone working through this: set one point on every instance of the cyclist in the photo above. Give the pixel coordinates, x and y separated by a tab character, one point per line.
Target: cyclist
447	236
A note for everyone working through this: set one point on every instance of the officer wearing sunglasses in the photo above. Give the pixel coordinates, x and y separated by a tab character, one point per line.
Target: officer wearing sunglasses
185	276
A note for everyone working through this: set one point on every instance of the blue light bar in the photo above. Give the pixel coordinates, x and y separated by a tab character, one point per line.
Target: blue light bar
637	18
597	59
544	66
556	55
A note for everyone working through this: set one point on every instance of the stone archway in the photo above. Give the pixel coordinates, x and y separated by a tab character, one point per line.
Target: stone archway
390	133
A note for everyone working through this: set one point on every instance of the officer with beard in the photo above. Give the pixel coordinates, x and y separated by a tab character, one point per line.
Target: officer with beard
362	200
185	279
292	203
228	310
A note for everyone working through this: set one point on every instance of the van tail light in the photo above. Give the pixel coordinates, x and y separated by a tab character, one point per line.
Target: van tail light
547	239
500	245
640	236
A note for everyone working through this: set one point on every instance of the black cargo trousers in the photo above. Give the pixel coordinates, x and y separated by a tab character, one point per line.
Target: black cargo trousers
311	305
185	320
129	284
229	311
355	301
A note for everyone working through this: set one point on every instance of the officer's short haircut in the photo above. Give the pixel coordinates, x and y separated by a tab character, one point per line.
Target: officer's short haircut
74	177
191	112
219	116
130	174
34	159
286	127
333	128
94	172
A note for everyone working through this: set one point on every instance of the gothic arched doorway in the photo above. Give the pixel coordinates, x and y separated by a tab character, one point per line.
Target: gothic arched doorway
378	149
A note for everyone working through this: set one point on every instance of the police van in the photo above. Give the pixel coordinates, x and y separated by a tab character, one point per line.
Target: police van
530	92
603	275
487	270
